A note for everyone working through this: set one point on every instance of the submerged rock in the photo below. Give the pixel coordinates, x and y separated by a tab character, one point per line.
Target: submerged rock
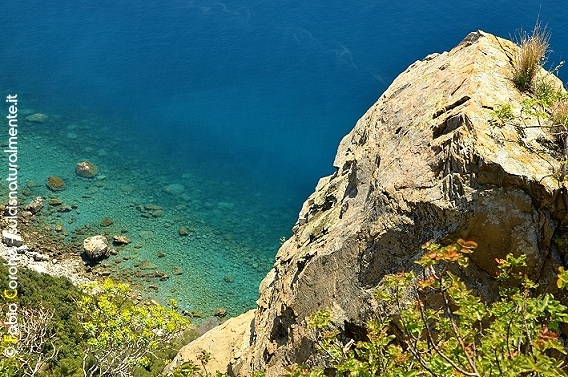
145	265
54	183
107	221
35	205
86	169
55	202
37	118
174	189
152	207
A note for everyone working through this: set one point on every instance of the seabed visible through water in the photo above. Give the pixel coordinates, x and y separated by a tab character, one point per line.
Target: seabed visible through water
230	228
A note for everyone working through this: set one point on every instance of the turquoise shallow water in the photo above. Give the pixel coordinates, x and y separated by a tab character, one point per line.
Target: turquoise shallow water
243	104
233	223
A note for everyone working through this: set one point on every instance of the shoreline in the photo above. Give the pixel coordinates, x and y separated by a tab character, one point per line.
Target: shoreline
50	254
64	268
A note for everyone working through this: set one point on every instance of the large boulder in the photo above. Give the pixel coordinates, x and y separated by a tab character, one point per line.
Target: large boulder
11	239
96	247
428	161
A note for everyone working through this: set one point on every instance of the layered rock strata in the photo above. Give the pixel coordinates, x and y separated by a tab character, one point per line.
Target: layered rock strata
429	161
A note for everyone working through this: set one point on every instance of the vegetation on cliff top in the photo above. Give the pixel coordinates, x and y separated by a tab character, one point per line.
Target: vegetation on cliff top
530	56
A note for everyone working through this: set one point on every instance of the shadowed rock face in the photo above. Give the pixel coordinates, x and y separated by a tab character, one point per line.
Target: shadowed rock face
428	161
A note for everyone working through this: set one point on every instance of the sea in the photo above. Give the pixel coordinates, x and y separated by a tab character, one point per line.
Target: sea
213	119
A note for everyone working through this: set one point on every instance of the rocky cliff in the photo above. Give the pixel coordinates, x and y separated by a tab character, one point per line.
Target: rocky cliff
428	161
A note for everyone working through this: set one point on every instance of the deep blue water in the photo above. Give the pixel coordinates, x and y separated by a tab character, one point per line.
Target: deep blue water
243	103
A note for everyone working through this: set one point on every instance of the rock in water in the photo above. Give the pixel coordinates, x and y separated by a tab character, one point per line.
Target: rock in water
96	248
55	183
107	221
86	169
428	161
35	205
37	118
220	312
121	240
174	189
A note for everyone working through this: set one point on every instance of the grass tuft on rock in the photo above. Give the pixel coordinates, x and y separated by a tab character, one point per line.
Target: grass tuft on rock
559	113
530	56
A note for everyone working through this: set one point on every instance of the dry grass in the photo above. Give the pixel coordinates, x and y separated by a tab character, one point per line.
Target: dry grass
559	113
530	56
559	118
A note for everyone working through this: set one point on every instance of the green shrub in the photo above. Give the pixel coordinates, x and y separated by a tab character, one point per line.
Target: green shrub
446	330
503	113
58	297
119	334
530	55
66	339
547	92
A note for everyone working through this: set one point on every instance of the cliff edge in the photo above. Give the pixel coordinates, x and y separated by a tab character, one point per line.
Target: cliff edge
428	161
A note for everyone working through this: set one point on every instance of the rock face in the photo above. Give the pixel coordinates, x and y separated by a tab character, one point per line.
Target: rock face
428	161
236	338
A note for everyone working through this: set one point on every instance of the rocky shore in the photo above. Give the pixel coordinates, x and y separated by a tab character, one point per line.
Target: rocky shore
70	268
82	258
